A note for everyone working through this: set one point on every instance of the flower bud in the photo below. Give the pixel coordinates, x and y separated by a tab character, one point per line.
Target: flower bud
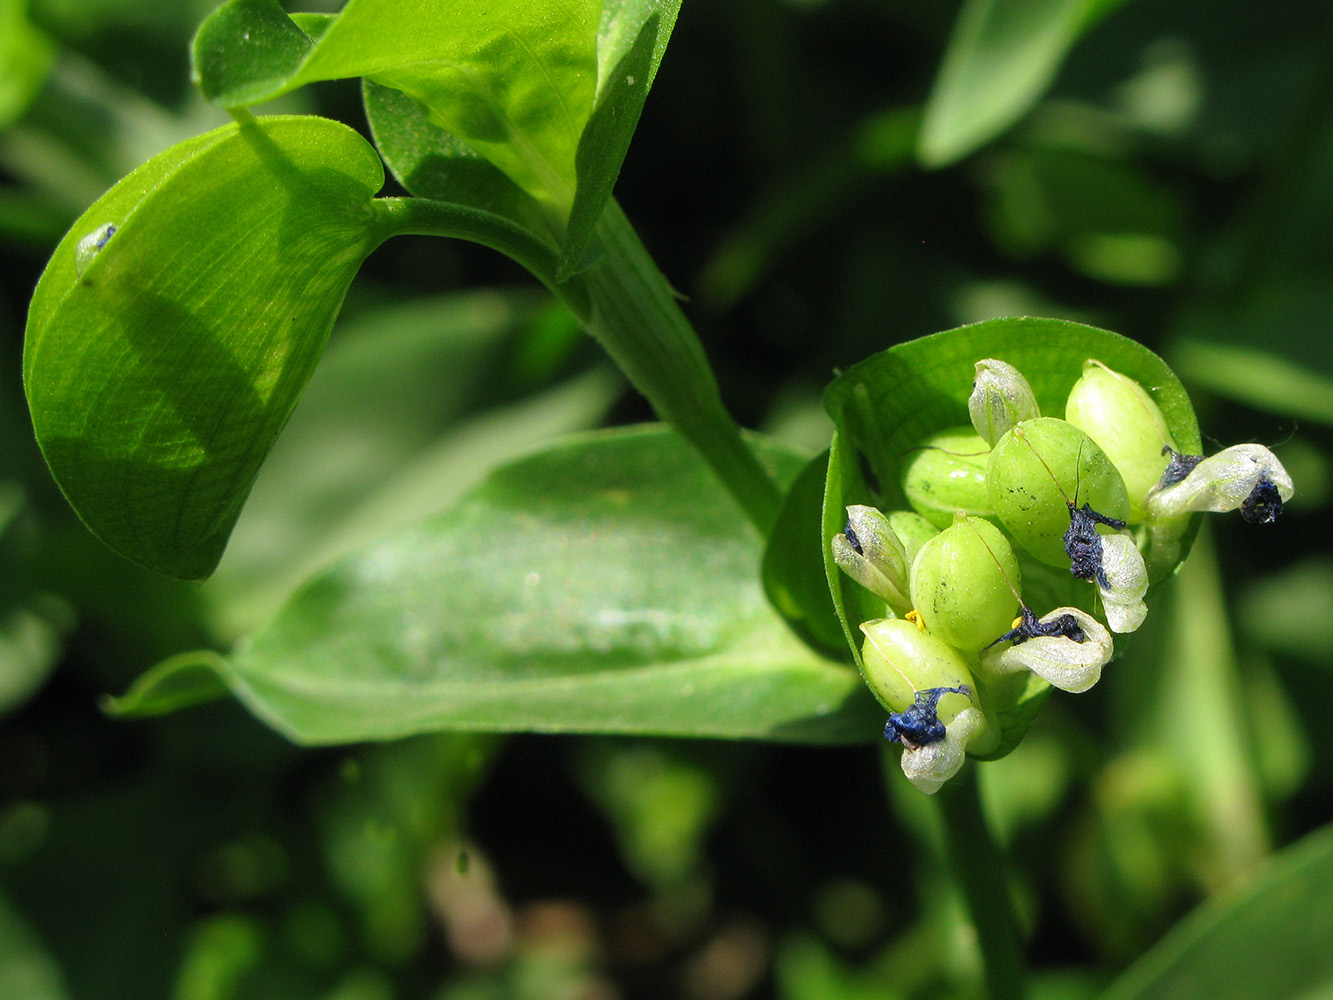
948	474
1001	397
965	583
1247	477
1127	425
1039	471
900	659
1063	661
870	553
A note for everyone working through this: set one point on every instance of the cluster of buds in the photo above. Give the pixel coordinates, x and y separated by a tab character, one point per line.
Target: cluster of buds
1089	494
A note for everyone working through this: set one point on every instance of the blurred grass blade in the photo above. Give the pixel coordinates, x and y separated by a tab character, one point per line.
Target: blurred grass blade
162	359
26	54
607	584
1001	58
1256	378
27	971
1266	939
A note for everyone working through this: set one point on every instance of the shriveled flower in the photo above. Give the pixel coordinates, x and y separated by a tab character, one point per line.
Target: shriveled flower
930	766
1122	583
1244	477
1062	659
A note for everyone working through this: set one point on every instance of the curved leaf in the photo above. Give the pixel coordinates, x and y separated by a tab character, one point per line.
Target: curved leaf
514	80
26	54
1267	939
605	585
160	367
1001	58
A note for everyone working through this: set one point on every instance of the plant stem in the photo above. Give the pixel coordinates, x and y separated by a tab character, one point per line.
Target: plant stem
979	871
636	317
624	301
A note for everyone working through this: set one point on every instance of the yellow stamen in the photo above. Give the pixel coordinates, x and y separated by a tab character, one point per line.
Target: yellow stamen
914	616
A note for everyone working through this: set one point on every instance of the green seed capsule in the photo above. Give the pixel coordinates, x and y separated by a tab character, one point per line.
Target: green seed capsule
946	475
900	659
965	584
1126	423
1040	468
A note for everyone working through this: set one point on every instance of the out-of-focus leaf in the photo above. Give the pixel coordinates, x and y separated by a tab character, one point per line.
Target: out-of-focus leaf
1292	611
1256	378
163	358
179	682
26	970
1001	58
32	636
25	58
604	585
1265	939
220	952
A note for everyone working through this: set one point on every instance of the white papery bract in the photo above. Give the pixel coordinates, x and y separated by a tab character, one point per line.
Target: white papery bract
1221	482
930	766
1127	579
1060	661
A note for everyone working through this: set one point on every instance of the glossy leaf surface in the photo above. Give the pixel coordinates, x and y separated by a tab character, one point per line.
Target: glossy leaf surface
1001	58
605	585
160	368
524	108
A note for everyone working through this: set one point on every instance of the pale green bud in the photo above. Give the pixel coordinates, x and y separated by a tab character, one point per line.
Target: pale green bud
1059	660
1247	477
1126	583
1037	471
946	475
871	554
1127	425
1001	397
900	658
965	583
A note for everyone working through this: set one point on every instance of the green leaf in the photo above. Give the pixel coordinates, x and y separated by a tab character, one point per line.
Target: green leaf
630	45
1265	939
1001	58
605	585
431	163
514	80
794	564
181	681
160	368
524	109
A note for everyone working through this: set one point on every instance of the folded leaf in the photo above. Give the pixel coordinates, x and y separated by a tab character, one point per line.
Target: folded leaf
178	321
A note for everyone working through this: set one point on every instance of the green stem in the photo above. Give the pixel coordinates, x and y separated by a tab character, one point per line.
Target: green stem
626	304
979	871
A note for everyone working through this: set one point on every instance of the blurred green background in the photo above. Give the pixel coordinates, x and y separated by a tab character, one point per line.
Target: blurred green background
1172	183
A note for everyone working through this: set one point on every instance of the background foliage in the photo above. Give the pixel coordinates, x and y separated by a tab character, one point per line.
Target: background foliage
1156	168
